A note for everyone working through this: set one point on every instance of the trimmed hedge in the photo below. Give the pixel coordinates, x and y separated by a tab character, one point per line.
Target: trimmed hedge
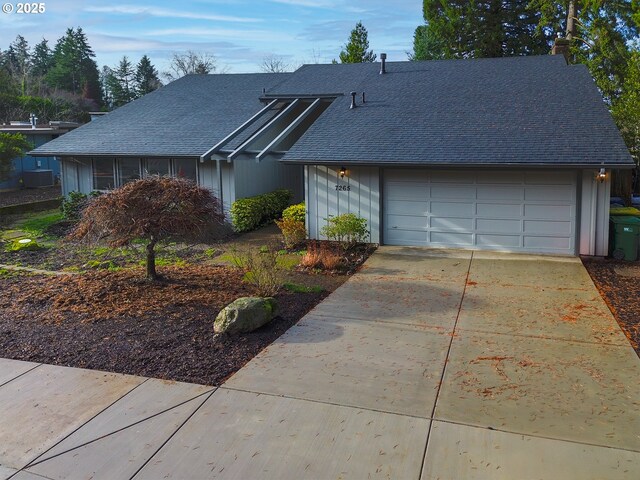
252	212
295	212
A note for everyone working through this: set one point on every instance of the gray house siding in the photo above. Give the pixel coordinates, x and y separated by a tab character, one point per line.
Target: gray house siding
323	200
253	178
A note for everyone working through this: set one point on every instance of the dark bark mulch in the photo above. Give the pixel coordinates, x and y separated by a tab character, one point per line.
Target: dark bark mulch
29	195
119	322
619	285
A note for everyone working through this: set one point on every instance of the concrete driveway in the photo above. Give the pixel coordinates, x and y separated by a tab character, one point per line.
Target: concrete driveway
425	365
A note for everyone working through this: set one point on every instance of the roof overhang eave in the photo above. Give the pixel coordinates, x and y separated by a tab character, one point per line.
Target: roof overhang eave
618	166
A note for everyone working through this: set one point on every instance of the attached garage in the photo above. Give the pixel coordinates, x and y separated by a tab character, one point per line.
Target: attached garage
522	211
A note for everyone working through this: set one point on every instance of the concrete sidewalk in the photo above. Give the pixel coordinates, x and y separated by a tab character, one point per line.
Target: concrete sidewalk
425	365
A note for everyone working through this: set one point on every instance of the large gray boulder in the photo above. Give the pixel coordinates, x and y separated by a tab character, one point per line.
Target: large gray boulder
245	315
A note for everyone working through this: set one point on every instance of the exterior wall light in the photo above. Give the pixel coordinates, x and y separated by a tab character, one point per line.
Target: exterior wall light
343	172
602	175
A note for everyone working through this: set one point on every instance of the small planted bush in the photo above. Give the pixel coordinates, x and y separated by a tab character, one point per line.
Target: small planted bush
252	212
74	203
348	229
262	269
293	231
320	255
295	212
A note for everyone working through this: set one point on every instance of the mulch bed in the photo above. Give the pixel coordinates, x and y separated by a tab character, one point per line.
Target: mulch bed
29	195
119	322
619	284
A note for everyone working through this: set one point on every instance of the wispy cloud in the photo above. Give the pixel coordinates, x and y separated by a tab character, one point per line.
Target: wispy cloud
168	13
307	3
249	35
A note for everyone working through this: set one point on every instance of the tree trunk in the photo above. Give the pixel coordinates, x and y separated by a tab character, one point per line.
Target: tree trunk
151	261
572	14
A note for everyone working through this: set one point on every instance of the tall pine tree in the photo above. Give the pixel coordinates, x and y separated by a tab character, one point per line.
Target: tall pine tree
41	59
483	28
357	48
75	69
146	77
121	83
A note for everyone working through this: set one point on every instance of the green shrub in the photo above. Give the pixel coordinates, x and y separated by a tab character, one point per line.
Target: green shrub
295	212
262	269
348	229
293	231
74	203
252	212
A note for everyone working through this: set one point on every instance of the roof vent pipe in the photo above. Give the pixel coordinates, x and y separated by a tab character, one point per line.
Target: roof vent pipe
383	63
363	99
353	100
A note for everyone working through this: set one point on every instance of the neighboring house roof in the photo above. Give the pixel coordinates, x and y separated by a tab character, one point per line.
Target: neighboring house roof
183	118
506	111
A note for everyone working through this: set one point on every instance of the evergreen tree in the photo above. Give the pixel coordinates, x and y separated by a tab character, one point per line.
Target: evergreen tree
74	69
42	59
146	77
120	83
356	49
489	28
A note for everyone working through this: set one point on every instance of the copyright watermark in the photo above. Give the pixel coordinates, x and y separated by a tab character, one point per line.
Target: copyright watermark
24	8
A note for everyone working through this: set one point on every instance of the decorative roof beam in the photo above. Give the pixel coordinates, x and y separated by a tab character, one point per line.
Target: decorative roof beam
238	131
298	120
262	131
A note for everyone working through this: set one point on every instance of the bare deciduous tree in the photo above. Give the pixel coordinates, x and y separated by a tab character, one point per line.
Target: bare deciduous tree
154	209
274	64
192	62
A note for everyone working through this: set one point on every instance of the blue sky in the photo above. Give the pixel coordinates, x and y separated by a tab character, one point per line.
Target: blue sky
240	33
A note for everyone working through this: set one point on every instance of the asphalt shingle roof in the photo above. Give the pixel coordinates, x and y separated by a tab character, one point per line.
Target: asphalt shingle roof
522	110
184	118
508	111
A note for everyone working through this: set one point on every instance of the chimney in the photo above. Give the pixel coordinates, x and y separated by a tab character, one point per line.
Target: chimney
561	46
383	63
353	100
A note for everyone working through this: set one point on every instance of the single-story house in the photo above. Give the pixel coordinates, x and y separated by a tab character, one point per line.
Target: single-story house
507	154
30	171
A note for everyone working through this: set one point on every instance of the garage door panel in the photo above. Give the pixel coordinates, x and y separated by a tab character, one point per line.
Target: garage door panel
549	193
499	192
547	228
502	241
546	178
452	192
406	175
548	212
531	212
451	223
547	243
407	222
497	225
407	191
499	210
450	177
499	177
452	209
402	237
451	238
406	207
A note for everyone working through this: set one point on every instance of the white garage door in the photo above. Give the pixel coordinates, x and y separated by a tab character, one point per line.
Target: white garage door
515	211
